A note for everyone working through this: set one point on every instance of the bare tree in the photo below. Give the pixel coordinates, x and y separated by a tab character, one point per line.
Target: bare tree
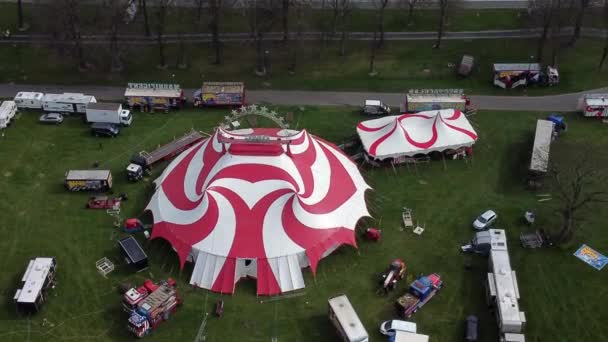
261	16
67	27
115	14
443	13
381	7
341	11
162	7
411	5
605	50
216	10
22	26
577	186
372	55
543	13
285	19
199	10
580	14
144	10
293	48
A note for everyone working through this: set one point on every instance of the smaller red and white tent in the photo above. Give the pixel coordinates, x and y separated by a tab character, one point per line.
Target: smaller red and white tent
407	135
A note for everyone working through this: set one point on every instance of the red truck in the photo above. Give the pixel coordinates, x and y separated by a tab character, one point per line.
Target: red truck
149	305
420	292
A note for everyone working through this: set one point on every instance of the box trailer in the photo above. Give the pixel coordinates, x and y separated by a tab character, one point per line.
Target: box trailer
502	292
88	180
67	102
539	161
220	94
148	97
29	100
403	336
345	319
38	278
512	75
594	105
8	109
107	112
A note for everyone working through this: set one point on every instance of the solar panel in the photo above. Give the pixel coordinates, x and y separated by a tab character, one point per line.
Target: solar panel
132	249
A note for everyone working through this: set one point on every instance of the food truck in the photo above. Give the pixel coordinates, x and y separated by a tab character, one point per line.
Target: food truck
512	75
594	105
220	94
148	97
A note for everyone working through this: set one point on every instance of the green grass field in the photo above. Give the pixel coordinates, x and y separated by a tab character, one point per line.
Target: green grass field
400	66
564	299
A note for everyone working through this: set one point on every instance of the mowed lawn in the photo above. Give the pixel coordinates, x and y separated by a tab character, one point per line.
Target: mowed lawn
564	299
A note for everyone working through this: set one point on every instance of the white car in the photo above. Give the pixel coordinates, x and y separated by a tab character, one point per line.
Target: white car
51	118
389	328
485	220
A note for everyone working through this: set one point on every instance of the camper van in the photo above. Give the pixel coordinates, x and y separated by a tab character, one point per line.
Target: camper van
8	109
67	102
346	321
29	100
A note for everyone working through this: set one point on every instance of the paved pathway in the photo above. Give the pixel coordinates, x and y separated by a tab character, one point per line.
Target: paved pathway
564	102
140	39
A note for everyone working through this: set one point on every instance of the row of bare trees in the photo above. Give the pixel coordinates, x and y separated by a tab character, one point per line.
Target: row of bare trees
262	16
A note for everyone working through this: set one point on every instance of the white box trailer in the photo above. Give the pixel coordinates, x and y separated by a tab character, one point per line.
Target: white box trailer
67	102
108	113
502	292
594	105
402	336
345	319
38	278
29	100
8	109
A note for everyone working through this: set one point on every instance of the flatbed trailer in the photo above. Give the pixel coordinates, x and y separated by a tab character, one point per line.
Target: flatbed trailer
421	292
167	151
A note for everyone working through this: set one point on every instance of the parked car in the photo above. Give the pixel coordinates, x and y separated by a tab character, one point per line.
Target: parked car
104	129
389	328
485	220
471	328
51	118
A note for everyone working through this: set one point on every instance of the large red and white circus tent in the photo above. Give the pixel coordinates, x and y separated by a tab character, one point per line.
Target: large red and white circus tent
407	135
261	203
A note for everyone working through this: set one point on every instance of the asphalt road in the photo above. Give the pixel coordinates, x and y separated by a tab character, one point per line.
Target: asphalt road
132	39
558	103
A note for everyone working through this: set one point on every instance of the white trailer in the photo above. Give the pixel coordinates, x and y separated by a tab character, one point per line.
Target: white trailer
67	102
8	109
39	277
419	100
346	321
502	292
402	336
108	113
594	105
29	100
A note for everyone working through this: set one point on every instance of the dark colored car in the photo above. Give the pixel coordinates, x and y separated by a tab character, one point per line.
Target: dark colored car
104	129
51	118
471	329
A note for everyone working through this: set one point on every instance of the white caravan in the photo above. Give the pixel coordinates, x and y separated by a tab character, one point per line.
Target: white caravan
67	102
7	112
30	100
346	321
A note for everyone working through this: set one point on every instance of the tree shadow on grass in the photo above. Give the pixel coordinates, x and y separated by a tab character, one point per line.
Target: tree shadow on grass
513	166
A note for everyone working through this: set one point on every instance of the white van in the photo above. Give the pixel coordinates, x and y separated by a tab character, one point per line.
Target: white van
391	327
346	321
7	112
30	100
